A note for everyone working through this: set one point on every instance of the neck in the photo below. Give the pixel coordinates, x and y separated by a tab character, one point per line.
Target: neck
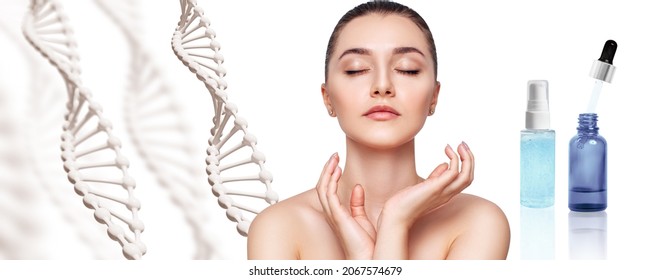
381	173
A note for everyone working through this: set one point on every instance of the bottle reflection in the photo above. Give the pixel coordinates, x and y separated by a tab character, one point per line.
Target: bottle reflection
537	233
588	235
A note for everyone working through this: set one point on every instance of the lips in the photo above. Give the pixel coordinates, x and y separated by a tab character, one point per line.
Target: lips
382	113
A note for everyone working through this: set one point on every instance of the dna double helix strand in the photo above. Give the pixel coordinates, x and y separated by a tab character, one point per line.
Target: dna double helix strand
233	160
36	140
91	153
158	127
42	131
46	98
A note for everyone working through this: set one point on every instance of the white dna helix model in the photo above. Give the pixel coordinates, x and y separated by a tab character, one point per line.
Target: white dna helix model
42	136
233	158
90	151
159	130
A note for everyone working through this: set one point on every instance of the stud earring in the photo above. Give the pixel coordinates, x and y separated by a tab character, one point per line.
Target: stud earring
331	112
431	112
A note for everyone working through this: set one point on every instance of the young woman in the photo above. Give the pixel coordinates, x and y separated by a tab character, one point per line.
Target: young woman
381	84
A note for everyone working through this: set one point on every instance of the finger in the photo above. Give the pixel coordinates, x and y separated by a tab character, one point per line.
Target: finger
467	159
357	202
324	180
327	164
321	186
358	211
333	201
333	184
451	173
466	174
453	158
438	170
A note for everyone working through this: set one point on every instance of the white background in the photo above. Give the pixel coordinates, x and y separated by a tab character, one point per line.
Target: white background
487	52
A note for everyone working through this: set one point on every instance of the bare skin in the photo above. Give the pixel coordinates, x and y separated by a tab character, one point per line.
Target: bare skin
466	227
378	207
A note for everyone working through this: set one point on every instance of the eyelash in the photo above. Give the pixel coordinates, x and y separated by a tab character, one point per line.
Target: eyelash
354	72
409	72
405	72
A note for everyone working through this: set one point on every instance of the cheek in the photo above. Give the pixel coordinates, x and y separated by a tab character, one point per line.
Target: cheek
351	95
417	96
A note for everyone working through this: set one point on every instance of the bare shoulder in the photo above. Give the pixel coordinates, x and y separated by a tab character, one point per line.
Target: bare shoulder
484	231
275	233
477	209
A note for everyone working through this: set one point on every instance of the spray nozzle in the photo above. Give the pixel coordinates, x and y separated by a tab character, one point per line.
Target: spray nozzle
537	113
602	69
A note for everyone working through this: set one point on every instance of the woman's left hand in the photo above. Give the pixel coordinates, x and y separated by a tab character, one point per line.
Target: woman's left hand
444	182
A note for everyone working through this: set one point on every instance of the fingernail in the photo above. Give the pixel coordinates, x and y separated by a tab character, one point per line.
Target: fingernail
465	145
448	146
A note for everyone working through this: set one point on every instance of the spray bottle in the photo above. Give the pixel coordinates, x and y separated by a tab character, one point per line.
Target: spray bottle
537	150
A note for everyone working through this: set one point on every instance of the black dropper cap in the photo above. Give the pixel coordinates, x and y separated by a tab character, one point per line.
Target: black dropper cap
603	68
609	50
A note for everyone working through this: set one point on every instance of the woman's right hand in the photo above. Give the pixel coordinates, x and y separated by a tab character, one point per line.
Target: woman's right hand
352	227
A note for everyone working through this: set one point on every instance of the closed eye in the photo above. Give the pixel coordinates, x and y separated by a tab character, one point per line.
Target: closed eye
408	72
355	72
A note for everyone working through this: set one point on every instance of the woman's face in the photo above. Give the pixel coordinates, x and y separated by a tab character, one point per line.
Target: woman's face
381	83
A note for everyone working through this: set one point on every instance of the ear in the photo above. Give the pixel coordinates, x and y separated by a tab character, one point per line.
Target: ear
434	99
326	100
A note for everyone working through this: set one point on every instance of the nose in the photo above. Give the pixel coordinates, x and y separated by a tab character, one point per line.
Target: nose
382	84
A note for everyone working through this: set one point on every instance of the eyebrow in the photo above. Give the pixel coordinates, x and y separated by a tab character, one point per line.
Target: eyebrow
403	50
362	51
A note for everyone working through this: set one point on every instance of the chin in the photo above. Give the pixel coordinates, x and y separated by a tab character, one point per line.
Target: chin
383	141
384	146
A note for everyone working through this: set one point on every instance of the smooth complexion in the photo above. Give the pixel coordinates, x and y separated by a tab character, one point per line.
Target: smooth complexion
381	88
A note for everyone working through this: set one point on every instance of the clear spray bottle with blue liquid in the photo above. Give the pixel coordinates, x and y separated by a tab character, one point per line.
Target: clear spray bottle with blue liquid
588	148
537	150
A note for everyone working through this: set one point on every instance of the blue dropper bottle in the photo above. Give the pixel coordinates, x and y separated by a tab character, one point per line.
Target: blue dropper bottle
588	148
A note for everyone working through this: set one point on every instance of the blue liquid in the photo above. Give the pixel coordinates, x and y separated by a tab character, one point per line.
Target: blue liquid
588	167
537	168
585	200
